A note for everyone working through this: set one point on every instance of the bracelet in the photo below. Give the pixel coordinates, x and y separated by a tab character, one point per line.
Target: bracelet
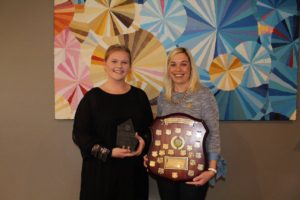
100	153
212	170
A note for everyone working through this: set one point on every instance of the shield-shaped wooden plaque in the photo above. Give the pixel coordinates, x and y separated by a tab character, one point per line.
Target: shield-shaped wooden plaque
177	150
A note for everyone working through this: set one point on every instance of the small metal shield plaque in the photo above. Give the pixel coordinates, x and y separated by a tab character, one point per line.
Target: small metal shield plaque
177	151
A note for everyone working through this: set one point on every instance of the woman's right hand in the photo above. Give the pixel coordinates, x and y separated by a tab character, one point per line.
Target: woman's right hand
121	152
145	161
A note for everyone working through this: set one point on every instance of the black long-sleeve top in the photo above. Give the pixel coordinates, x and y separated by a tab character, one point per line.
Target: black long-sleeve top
96	120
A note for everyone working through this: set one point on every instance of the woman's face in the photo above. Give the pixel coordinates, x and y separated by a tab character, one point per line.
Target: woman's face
179	69
117	65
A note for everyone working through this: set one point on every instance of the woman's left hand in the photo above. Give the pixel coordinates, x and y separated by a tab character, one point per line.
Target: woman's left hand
141	146
202	178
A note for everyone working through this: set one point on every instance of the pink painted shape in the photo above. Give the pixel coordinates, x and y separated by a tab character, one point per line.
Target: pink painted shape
72	80
69	45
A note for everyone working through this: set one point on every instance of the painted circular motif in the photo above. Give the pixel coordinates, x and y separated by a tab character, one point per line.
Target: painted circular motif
72	81
256	62
105	18
226	72
65	45
166	20
216	27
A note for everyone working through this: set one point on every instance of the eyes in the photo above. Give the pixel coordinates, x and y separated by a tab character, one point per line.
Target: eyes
181	64
123	62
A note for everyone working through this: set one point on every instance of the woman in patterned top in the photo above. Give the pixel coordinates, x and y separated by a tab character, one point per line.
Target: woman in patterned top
183	93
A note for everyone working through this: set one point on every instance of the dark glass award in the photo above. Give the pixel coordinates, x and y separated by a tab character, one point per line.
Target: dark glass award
126	135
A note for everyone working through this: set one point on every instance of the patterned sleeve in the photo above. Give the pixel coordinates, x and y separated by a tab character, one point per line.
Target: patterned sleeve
211	117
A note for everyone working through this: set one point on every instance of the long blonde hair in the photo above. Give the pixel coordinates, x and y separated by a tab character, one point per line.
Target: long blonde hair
194	83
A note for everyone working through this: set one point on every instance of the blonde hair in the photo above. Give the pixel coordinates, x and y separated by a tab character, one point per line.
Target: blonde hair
117	47
194	84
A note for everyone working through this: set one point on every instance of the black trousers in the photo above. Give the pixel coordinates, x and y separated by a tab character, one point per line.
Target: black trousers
169	190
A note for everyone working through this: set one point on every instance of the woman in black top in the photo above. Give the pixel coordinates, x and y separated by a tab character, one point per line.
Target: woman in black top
110	172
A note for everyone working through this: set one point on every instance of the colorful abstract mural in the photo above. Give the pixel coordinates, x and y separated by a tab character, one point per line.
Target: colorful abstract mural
246	51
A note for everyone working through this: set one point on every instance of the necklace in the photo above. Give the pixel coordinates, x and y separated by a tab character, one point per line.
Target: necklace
181	99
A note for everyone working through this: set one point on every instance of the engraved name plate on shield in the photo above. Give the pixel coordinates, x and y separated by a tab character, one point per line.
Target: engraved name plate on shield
177	151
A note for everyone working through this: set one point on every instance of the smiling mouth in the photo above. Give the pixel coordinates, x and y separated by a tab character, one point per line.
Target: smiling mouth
178	75
119	71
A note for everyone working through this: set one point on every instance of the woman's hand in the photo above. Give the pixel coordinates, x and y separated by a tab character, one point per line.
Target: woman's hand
202	178
141	146
123	152
145	161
